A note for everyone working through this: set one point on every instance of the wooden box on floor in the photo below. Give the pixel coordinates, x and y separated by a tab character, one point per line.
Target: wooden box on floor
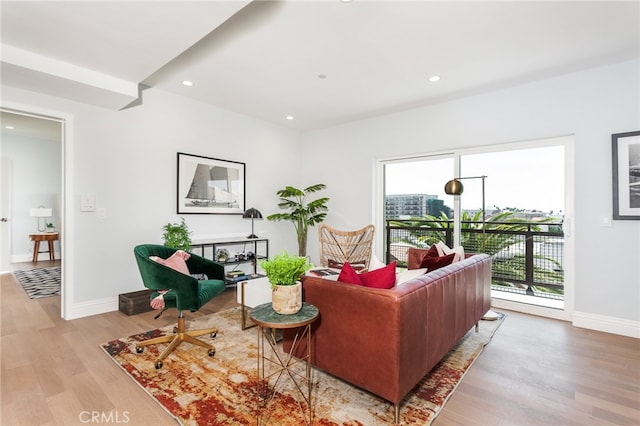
135	302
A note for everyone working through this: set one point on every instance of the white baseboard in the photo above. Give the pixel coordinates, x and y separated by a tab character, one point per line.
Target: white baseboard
28	257
612	325
93	307
578	319
525	308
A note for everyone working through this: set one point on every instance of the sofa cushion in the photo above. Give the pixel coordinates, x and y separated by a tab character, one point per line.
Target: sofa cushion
409	274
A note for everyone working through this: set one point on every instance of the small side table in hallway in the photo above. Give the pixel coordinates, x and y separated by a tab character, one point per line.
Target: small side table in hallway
50	237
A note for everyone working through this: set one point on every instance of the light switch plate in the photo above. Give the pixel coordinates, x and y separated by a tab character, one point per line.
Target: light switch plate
87	203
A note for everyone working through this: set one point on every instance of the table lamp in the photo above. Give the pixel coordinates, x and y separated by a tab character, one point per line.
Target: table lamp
41	212
252	214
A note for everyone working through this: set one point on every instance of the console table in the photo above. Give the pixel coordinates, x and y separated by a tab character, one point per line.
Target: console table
259	247
49	237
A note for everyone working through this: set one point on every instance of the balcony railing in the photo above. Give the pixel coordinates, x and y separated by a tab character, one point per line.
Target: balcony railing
527	257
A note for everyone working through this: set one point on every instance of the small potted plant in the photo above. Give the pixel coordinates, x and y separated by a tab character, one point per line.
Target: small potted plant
284	274
222	255
49	227
177	235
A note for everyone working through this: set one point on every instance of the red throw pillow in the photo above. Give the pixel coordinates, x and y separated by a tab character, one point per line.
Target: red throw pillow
380	278
349	275
433	263
432	252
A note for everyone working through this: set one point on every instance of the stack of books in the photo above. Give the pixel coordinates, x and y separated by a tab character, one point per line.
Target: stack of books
236	276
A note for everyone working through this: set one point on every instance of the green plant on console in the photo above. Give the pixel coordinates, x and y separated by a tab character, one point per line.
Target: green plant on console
177	235
301	214
284	269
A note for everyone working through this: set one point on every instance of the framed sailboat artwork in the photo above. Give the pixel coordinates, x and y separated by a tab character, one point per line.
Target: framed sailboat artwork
626	175
210	185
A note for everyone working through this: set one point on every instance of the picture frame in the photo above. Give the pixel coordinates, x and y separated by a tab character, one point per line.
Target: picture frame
626	175
210	185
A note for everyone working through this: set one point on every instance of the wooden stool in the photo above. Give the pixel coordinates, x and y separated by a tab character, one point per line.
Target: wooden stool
50	237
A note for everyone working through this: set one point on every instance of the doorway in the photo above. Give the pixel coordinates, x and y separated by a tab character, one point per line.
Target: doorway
32	182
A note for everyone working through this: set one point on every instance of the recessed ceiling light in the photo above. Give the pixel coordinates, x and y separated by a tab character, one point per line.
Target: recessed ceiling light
434	78
289	117
9	127
187	83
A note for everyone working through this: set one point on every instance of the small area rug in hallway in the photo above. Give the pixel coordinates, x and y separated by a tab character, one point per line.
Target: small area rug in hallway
41	282
221	390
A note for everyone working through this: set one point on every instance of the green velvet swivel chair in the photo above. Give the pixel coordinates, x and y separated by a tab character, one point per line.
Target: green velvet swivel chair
186	293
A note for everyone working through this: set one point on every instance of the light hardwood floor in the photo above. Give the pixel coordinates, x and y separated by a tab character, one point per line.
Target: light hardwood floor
535	371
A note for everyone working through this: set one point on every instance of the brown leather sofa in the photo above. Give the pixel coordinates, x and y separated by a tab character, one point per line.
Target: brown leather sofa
386	341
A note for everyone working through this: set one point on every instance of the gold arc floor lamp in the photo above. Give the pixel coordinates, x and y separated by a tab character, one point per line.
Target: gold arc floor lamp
455	187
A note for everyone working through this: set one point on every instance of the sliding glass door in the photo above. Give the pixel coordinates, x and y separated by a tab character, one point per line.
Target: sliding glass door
512	207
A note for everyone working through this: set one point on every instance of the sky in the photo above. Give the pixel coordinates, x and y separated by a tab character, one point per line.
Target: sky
526	179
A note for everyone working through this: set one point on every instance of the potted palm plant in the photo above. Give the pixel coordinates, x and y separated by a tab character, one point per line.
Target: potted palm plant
284	272
301	213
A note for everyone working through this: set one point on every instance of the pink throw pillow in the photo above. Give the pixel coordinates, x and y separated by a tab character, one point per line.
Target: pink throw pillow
177	261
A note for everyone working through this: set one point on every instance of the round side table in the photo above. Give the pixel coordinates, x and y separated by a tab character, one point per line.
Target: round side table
268	321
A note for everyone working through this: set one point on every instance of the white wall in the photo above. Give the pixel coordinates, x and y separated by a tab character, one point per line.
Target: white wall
590	105
128	160
36	171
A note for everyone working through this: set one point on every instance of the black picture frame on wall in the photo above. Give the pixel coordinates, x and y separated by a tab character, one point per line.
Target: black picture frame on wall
210	185
626	175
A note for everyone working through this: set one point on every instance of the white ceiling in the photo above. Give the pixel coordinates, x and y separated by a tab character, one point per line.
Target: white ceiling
324	62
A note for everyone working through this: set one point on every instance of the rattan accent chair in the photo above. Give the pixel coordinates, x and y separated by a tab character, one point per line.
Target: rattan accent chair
338	247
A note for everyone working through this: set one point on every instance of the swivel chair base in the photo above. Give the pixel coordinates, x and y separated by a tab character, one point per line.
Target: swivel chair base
176	339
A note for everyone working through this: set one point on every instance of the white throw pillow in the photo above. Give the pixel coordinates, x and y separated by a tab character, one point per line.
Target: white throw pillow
375	263
444	250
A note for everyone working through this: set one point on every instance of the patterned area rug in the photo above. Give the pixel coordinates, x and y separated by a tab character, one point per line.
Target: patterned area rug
42	282
200	390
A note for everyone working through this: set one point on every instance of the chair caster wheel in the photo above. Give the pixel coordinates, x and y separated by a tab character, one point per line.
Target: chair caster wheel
213	335
139	349
212	352
175	329
158	365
